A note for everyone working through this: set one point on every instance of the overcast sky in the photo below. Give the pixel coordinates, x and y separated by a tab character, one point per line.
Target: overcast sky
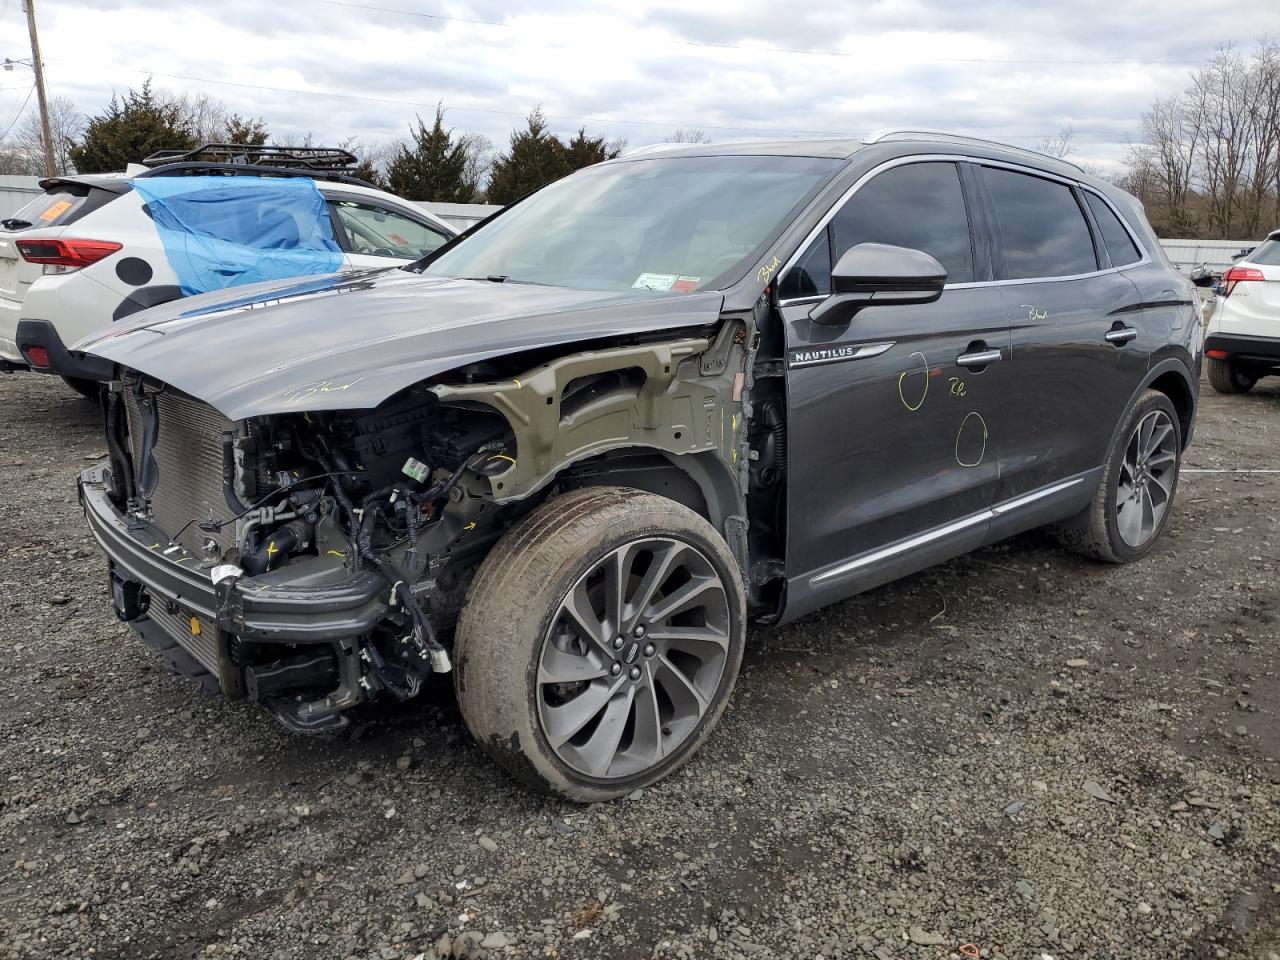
1010	70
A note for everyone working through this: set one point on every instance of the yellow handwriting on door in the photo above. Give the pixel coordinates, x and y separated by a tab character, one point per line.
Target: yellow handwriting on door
957	387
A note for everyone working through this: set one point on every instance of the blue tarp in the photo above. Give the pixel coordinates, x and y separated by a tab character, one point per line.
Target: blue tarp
221	232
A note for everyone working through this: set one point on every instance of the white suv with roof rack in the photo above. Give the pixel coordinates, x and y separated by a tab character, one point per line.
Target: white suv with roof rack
95	248
1242	343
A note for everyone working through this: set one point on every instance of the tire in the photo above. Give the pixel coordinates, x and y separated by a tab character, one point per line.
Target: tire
86	388
1227	376
654	695
1105	530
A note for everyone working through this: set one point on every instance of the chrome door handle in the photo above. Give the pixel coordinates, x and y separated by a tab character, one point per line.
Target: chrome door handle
979	359
1121	335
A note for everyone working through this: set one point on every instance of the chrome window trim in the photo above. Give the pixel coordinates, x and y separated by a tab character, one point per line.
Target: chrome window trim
826	219
946	530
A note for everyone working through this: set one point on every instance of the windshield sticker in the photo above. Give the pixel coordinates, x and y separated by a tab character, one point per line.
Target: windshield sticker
654	281
686	284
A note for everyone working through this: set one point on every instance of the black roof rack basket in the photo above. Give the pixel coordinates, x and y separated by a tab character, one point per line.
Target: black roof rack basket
319	163
327	159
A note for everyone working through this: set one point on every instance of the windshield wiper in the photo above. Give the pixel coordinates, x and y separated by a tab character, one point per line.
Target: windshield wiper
13	223
503	278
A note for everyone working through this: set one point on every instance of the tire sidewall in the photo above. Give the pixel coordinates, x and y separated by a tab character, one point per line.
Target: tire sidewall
1147	404
523	642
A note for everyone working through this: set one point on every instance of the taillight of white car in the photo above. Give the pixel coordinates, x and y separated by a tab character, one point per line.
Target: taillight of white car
1238	275
65	255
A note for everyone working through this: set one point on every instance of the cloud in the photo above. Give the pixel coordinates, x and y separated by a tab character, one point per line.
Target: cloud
996	68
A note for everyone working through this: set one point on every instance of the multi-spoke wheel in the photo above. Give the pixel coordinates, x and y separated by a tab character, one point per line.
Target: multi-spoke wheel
1148	472
600	642
1138	484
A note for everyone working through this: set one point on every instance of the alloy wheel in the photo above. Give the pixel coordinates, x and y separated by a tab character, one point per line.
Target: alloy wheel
1147	475
634	658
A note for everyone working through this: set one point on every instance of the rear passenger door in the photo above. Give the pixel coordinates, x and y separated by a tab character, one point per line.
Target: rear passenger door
893	429
1078	346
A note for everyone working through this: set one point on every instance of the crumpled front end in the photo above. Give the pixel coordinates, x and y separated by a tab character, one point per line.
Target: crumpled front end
299	560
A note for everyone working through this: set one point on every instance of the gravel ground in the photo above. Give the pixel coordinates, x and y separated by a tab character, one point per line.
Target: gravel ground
1018	750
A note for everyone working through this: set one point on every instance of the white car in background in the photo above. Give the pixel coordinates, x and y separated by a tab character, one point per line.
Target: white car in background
1242	343
87	252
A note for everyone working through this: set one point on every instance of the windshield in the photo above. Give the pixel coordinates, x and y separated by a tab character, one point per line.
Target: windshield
668	224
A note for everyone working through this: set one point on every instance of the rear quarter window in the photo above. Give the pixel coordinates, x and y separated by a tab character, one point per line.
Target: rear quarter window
58	207
1120	245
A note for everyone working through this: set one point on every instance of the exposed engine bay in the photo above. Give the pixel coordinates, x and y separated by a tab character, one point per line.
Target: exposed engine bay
400	504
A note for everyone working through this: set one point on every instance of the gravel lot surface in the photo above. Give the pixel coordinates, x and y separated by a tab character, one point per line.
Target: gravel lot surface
1019	750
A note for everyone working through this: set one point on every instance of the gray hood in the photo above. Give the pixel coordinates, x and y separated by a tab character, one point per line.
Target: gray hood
344	342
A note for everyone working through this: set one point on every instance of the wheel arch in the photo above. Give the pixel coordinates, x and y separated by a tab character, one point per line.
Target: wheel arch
1171	378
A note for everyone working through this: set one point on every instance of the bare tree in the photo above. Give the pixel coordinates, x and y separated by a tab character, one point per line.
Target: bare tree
692	135
1058	144
1208	164
23	150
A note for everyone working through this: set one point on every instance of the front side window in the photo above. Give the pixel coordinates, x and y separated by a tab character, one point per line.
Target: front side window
672	224
1120	245
1043	228
379	232
917	205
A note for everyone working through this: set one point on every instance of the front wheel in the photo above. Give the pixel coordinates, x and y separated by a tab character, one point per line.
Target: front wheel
1228	376
1139	481
600	642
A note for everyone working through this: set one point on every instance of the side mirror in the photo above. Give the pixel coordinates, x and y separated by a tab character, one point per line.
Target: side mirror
872	274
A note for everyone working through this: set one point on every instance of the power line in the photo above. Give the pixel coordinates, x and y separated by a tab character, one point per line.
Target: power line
841	53
794	50
412	13
19	113
665	124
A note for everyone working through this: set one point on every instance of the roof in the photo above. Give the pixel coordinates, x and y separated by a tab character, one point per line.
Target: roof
842	148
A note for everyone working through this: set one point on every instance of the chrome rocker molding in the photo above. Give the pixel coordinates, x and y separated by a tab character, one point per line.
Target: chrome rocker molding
939	533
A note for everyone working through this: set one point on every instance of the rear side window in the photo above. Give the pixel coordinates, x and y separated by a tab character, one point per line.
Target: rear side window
1043	228
57	208
1266	254
1120	245
917	205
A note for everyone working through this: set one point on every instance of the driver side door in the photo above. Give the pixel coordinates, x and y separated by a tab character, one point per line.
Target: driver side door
894	417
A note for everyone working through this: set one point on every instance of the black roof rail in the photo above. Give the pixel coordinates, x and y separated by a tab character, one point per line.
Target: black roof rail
330	159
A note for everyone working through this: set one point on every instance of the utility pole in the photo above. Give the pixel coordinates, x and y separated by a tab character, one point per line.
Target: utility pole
49	169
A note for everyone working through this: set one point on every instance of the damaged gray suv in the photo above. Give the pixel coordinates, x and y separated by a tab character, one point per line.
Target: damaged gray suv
573	453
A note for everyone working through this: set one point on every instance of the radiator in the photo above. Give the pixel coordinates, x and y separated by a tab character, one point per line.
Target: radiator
188	455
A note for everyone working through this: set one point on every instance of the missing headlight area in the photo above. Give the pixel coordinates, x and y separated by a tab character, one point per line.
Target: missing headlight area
314	561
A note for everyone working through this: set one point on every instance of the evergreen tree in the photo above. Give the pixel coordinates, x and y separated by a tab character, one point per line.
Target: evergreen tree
247	131
583	151
433	165
130	130
536	157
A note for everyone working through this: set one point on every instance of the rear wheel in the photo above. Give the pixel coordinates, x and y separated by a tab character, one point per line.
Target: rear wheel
1228	376
86	388
600	642
1139	481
